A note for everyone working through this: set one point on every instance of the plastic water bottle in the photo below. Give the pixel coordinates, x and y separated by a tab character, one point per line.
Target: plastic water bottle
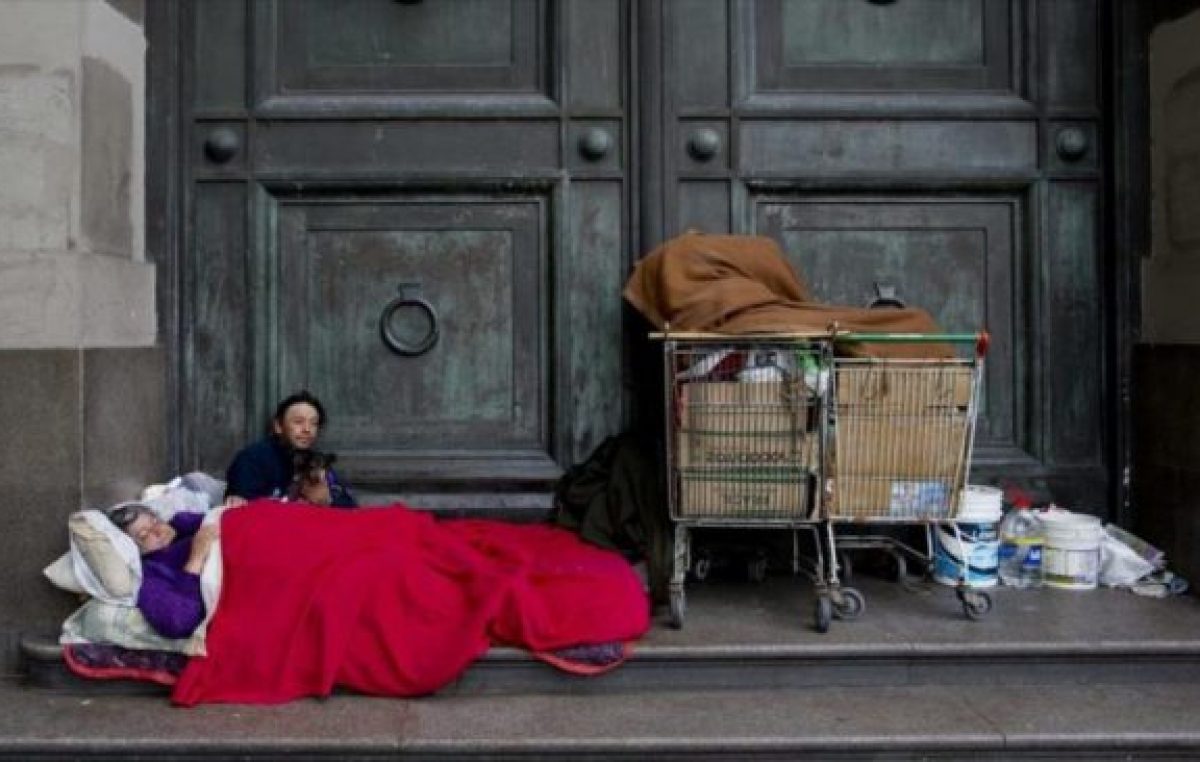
1021	542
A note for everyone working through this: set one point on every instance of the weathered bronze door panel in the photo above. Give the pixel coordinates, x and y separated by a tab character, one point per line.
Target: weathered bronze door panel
419	212
949	149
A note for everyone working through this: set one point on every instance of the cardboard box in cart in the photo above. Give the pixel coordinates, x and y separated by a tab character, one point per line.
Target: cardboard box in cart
900	440
747	496
745	450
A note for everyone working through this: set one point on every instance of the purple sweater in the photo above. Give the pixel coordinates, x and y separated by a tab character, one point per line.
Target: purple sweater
170	597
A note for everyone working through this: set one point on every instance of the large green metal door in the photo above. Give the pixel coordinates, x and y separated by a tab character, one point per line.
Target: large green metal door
418	211
504	161
950	151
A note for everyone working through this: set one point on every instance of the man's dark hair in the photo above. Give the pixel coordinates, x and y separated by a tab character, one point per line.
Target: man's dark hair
303	396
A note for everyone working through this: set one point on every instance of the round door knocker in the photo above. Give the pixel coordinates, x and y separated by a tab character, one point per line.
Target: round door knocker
409	299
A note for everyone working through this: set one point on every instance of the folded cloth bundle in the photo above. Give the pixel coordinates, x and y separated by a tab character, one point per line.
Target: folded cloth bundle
742	284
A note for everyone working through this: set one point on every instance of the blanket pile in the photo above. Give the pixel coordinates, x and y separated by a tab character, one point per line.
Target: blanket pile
394	602
742	284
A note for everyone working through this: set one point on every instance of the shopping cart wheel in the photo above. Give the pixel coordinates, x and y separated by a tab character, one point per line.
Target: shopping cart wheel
678	607
756	569
823	613
976	603
845	566
702	566
848	603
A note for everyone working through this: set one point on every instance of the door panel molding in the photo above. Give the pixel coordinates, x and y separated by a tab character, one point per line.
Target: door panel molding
827	147
371	47
962	257
858	45
387	147
335	261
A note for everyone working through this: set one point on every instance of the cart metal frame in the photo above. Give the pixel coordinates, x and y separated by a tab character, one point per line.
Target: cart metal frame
902	436
736	455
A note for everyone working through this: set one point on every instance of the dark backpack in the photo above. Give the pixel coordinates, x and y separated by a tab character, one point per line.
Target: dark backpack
614	499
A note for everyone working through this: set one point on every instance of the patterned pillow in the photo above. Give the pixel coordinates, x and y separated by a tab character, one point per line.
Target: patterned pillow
117	625
104	662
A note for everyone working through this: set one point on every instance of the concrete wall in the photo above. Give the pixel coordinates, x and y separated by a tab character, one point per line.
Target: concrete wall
1166	478
80	365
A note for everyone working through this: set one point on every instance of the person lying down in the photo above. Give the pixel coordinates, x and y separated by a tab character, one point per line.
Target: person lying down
385	600
172	554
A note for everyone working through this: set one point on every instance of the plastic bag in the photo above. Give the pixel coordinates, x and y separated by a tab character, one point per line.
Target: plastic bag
196	492
1120	565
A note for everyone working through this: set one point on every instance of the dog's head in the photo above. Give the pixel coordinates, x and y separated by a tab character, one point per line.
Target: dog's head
308	469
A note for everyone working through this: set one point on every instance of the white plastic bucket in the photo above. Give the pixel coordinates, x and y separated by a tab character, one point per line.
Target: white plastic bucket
980	501
1071	556
977	540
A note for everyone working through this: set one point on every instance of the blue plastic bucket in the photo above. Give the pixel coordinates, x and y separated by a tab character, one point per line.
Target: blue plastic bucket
977	544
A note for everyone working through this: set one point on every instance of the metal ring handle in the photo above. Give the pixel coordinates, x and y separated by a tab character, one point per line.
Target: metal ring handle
409	297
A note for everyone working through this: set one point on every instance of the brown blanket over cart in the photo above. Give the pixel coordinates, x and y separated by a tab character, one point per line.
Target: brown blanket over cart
742	284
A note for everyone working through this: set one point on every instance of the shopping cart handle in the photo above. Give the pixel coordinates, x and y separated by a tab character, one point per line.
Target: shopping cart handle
981	340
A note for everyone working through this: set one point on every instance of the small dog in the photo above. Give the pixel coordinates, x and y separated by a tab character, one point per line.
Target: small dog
309	468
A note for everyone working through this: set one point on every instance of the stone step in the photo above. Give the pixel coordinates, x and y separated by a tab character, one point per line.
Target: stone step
917	722
1047	675
665	668
740	636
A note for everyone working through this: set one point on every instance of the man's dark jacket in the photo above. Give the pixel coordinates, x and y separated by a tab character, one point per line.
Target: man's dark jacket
264	469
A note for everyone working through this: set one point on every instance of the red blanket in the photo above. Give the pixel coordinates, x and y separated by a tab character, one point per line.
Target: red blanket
393	602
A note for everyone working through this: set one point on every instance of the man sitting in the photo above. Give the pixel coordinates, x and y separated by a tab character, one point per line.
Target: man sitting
281	465
173	556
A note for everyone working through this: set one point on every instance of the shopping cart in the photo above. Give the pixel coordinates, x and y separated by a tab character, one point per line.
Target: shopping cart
901	438
746	422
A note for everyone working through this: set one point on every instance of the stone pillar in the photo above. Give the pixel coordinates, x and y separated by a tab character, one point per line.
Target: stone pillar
81	375
72	251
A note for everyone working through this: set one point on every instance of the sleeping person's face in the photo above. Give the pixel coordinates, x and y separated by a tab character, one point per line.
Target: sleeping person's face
150	533
299	426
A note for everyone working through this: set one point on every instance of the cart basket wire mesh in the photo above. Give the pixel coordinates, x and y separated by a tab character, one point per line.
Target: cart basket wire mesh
746	433
902	433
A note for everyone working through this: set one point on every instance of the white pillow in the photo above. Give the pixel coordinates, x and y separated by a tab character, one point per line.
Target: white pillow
62	573
98	621
106	560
